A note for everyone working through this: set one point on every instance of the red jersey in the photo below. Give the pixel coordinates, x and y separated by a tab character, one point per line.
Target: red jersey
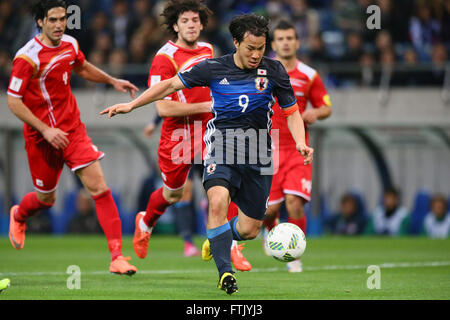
41	78
170	60
307	86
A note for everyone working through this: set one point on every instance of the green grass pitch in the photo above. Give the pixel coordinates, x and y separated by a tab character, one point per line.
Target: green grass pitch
334	268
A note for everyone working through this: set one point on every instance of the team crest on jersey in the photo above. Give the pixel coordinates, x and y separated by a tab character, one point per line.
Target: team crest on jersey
211	168
261	83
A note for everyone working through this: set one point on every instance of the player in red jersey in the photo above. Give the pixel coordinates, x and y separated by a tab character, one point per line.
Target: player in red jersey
183	127
40	95
182	123
292	182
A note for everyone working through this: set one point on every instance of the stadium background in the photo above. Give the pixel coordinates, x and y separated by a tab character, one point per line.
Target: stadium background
389	90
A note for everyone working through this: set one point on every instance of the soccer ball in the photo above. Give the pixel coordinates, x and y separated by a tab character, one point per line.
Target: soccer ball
286	242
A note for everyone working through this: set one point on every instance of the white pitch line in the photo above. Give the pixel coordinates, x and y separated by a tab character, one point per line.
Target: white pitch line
388	265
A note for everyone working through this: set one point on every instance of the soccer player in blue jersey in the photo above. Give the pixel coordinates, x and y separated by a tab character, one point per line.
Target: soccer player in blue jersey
243	86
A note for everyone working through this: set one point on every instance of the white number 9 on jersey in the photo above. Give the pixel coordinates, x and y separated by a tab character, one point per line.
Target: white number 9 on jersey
243	102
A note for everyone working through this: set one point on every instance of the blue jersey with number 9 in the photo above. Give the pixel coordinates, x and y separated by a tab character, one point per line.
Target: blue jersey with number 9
242	98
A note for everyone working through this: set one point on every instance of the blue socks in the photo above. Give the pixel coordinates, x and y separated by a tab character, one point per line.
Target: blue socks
232	224
220	240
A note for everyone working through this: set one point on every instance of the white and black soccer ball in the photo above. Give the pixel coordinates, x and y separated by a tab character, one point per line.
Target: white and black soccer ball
286	242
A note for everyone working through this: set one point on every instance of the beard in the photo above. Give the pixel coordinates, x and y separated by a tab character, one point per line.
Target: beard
191	41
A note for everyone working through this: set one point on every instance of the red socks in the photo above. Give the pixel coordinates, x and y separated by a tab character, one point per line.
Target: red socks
270	223
155	208
29	206
233	211
108	217
301	223
107	214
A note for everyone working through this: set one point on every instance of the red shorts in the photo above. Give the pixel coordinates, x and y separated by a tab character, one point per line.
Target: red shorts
292	177
178	151
46	163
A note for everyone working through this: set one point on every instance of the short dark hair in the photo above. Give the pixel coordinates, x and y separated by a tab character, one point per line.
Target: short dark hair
284	25
40	8
252	23
174	8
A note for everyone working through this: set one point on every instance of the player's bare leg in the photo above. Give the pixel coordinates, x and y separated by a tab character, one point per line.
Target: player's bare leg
31	203
219	199
173	196
272	213
270	221
246	227
48	198
295	207
108	216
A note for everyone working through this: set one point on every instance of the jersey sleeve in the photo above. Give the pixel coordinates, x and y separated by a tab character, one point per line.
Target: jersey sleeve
197	76
283	91
162	69
21	73
80	58
318	95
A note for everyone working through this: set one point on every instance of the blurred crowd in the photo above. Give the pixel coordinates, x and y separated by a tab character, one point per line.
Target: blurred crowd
414	37
428	216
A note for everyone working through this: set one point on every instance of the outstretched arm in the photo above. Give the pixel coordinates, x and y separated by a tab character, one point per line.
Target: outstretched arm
297	129
154	93
90	72
167	108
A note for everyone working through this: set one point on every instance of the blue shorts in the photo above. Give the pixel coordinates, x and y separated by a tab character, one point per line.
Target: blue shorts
249	189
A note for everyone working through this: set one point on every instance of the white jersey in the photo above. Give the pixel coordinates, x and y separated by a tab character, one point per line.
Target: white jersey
390	225
435	228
